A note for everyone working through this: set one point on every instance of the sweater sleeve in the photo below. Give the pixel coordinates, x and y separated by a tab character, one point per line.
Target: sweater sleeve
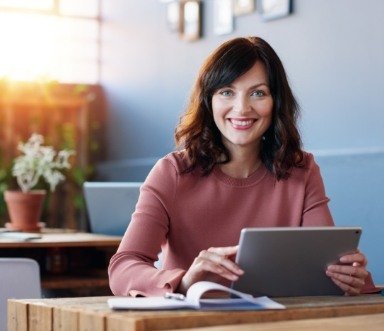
131	269
315	211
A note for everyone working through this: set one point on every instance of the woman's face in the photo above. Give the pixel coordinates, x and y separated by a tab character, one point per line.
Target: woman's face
242	110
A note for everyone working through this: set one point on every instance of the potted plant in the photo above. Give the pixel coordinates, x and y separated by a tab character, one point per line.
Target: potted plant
36	163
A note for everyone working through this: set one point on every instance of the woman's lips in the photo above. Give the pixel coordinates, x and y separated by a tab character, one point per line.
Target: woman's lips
242	124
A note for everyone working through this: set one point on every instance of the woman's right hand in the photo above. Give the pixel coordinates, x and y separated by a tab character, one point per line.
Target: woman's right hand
212	264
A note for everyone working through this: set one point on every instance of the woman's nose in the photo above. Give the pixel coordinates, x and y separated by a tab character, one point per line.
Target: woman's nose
241	105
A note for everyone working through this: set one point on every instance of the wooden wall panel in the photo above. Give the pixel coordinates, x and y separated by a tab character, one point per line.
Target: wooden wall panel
68	116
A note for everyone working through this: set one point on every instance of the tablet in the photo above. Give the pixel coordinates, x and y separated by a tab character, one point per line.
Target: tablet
281	262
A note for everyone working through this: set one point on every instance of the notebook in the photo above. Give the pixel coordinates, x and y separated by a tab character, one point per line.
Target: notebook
110	205
281	262
194	299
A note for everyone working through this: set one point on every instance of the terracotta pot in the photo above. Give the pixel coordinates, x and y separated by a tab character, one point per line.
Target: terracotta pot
24	209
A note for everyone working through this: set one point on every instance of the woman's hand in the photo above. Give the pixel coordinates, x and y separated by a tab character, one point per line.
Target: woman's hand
212	264
351	275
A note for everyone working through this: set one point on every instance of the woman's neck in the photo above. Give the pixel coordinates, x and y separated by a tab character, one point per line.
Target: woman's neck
242	165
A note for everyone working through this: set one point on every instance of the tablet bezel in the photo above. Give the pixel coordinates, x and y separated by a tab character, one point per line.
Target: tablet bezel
291	261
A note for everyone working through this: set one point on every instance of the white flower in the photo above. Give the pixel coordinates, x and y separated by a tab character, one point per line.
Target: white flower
39	161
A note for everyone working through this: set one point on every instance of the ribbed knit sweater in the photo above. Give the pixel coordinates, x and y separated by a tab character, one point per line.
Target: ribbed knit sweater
183	214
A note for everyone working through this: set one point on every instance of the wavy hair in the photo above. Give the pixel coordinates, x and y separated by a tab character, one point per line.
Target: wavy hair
197	132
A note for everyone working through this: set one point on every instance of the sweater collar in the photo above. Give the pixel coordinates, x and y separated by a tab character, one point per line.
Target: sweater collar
254	178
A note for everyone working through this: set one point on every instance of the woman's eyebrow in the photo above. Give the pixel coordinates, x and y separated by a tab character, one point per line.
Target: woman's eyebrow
258	85
250	88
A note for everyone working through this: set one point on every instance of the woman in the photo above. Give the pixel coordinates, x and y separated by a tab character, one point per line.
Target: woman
239	164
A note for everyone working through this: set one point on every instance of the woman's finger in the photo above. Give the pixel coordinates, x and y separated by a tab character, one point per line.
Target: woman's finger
210	264
225	251
350	270
221	260
354	258
346	287
202	266
348	279
213	263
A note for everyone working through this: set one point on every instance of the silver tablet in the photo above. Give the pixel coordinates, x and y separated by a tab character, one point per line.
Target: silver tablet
280	262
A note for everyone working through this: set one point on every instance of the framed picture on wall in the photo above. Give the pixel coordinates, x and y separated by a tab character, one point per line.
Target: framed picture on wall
222	17
190	25
242	7
173	16
273	9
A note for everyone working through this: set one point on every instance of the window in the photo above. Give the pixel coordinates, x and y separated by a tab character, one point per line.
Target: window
50	39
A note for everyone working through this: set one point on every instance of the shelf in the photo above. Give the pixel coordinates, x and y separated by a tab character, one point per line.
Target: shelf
71	282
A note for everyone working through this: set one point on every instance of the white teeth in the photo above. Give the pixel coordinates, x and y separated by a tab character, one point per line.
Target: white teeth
242	123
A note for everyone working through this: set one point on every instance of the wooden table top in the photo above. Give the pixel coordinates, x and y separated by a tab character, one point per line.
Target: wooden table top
63	239
92	313
372	322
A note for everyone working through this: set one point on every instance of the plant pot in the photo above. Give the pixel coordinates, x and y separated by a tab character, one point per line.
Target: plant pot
24	209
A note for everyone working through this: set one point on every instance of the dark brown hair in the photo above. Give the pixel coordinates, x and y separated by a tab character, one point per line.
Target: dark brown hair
197	132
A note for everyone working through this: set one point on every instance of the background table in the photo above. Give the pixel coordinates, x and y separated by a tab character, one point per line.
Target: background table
92	313
71	263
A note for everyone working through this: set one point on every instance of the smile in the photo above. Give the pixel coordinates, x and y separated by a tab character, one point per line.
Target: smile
242	124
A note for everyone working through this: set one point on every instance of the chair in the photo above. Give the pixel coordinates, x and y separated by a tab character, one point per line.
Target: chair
19	279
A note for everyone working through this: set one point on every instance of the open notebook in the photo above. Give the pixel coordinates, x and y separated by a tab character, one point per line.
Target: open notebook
194	300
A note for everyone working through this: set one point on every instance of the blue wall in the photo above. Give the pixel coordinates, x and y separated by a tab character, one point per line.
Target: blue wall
354	182
333	51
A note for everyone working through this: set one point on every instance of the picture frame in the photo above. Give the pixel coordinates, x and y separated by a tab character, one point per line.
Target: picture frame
222	17
243	7
173	16
274	9
190	20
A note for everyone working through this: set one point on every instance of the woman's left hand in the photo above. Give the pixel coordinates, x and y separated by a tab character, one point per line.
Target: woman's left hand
351	274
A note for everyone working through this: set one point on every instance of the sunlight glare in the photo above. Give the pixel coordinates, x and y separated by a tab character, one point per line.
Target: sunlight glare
29	45
37	46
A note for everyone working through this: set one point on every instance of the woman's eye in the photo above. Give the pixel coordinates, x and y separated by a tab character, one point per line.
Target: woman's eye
258	93
226	93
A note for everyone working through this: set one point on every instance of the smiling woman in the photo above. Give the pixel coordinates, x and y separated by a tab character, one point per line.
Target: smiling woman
242	110
238	164
59	43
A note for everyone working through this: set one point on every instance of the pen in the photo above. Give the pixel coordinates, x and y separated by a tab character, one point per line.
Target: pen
176	296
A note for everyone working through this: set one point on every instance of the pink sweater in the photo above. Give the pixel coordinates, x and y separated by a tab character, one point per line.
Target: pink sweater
182	214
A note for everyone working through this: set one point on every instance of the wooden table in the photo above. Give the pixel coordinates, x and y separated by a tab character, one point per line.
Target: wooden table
70	262
92	313
372	322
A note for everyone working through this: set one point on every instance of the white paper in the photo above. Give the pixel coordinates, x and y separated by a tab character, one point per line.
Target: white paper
193	300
